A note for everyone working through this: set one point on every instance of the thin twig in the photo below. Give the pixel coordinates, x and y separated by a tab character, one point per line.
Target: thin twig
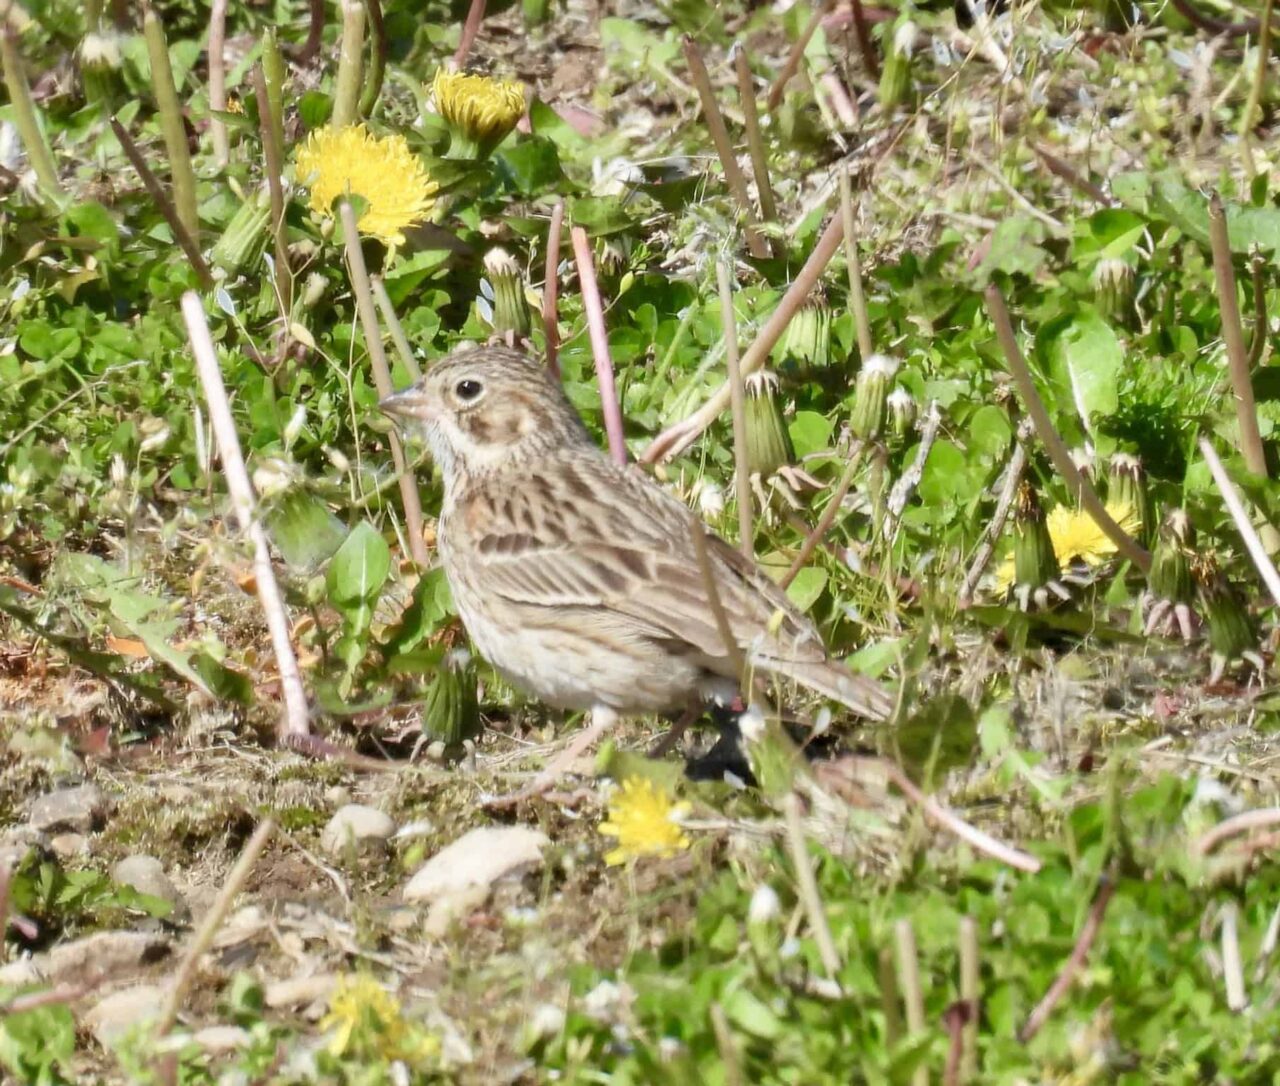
1258	344
470	30
1252	541
808	886
296	720
742	477
551	289
698	533
164	205
1232	969
853	264
211	923
1012	476
218	81
274	155
794	56
827	519
346	94
733	175
755	139
395	329
1092	925
1077	484
904	938
1068	173
1257	819
1212	24
599	343
675	439
863	33
906	485
359	276
970	992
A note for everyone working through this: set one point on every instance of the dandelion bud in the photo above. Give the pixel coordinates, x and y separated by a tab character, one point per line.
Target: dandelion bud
1127	487
870	397
1231	632
245	238
902	412
510	309
451	710
1034	561
1086	462
807	346
1113	289
768	441
1170	576
313	290
99	57
479	111
895	75
613	254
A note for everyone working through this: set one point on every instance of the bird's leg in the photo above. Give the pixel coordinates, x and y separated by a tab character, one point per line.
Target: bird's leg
602	719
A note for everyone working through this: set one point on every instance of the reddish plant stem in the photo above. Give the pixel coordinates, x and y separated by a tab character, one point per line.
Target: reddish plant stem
551	289
470	30
827	519
865	46
792	63
599	343
306	52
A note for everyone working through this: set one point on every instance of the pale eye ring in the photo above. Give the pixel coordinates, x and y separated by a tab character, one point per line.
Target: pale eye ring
467	389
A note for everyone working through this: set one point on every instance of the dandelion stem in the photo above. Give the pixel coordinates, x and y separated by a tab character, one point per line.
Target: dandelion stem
382	377
970	992
1249	118
807	882
395	328
171	125
857	298
25	118
599	344
909	981
273	69
1073	177
890	998
828	517
794	56
742	476
755	139
1077	484
1232	969
165	206
218	81
470	31
551	289
273	154
307	51
1252	541
295	723
377	59
730	1060
733	175
346	94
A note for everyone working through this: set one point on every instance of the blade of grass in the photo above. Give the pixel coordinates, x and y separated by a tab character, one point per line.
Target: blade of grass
742	477
1252	541
218	81
274	155
755	139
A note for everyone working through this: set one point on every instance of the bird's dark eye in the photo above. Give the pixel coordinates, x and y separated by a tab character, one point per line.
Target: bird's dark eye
467	389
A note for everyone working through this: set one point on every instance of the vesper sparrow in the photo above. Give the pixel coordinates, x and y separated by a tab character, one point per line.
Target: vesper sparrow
578	579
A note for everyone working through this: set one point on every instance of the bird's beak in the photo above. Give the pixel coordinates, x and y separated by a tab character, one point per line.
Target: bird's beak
409	404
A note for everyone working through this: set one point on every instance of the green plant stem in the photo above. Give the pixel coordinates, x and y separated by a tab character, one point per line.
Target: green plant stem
274	156
904	938
551	289
173	129
165	206
742	476
970	992
470	30
827	519
1248	119
857	297
755	139
1080	487
25	118
807	885
398	339
733	175
359	275
218	82
377	59
273	68
346	94
1258	344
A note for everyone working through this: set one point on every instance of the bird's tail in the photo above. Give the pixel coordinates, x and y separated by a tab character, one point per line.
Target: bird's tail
864	696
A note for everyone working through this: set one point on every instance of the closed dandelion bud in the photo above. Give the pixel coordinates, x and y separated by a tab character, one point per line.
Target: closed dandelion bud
895	75
902	412
768	441
1127	486
479	111
510	308
451	710
99	57
1113	289
807	346
245	238
1034	563
313	290
1086	463
871	397
1170	576
1230	628
613	254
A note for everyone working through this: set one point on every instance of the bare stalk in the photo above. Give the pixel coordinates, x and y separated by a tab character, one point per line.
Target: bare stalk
675	439
1079	486
906	485
827	519
1073	177
863	33
599	343
470	30
698	532
794	56
165	206
755	139
742	476
1233	335
218	81
1260	818
1249	118
25	118
857	298
359	275
909	983
377	68
346	94
1232	969
296	722
171	125
1012	476
1252	541
551	289
212	919
274	155
394	327
273	69
730	1060
724	148
970	992
306	52
807	882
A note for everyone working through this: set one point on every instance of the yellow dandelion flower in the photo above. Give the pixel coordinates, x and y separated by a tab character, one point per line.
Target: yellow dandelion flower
234	105
479	111
1076	537
389	177
644	821
367	1023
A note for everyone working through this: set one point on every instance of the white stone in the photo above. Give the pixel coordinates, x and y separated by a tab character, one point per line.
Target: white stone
146	875
358	825
119	1013
477	860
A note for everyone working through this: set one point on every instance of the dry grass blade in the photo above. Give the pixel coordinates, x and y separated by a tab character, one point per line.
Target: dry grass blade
827	519
794	56
1252	541
742	480
810	898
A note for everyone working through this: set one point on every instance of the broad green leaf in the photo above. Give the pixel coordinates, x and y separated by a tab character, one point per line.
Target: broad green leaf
1085	360
359	568
810	432
304	530
808	585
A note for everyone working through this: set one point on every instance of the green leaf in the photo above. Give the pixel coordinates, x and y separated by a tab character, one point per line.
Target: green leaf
1085	360
359	568
532	165
750	1014
810	432
807	587
304	530
1015	249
